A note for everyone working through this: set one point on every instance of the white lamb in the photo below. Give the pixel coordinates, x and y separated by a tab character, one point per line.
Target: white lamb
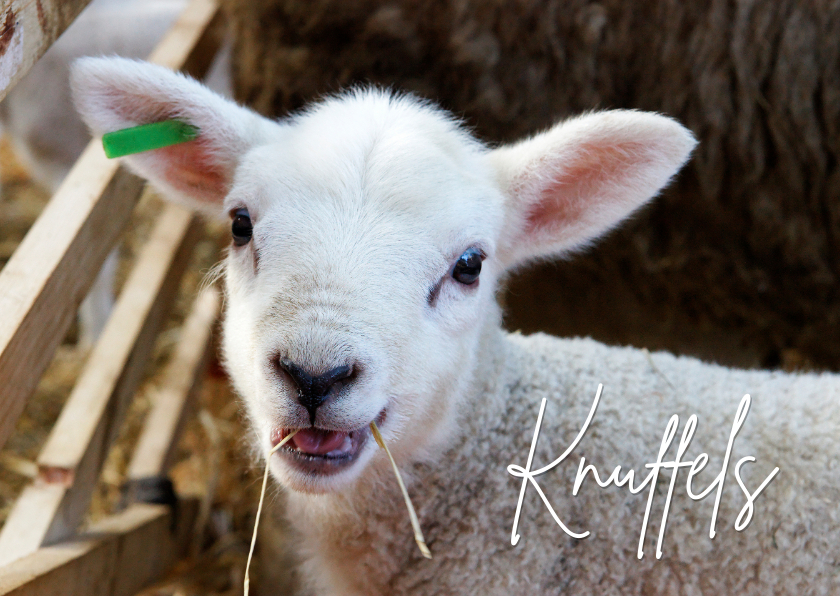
369	236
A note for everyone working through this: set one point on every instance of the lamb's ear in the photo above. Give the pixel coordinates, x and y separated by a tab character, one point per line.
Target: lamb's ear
569	185
116	93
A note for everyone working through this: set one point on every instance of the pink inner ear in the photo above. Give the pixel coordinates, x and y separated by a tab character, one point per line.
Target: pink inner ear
571	185
188	167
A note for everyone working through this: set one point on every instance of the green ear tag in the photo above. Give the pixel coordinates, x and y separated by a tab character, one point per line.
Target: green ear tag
147	137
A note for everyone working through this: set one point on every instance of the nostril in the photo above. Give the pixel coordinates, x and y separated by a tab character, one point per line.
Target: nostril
301	378
340	375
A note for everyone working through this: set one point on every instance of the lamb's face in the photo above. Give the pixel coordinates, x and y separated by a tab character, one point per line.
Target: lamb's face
346	271
359	228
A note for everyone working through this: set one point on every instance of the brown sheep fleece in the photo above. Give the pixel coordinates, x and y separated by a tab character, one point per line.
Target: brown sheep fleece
738	261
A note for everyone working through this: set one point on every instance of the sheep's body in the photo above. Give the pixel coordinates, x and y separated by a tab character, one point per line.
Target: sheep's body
360	542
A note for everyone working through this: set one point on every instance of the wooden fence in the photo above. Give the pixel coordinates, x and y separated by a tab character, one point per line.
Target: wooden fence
41	548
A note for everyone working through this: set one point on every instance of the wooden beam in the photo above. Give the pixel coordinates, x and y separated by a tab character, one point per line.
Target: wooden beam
158	440
138	314
191	43
117	556
72	458
27	29
46	279
49	274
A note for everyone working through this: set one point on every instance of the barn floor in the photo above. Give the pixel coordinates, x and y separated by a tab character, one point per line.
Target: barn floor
214	463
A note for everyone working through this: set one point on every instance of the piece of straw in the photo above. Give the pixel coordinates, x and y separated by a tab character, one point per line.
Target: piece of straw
285	440
415	523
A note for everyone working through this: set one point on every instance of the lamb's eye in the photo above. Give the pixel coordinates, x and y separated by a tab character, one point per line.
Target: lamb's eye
241	228
468	266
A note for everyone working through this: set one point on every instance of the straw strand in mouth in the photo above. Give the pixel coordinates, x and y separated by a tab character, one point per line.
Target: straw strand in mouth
285	440
412	514
415	523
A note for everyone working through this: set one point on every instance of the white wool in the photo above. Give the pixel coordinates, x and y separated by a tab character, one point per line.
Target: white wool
361	208
466	499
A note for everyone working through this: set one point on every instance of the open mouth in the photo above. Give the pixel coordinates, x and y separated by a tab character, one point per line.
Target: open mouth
321	451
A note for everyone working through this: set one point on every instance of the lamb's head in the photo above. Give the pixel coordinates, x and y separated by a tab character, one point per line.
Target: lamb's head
368	237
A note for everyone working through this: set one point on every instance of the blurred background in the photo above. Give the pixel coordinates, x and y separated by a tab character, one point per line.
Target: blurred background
737	262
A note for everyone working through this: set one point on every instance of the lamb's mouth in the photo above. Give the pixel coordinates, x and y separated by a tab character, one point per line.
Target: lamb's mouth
320	451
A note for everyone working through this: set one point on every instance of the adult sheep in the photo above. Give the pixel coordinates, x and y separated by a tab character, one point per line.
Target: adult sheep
369	235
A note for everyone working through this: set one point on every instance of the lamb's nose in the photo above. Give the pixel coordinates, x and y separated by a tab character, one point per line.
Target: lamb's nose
313	390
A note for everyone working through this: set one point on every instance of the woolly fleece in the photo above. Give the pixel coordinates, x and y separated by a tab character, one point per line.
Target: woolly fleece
466	501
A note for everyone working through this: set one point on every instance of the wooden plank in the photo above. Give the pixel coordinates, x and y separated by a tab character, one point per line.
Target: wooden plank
193	40
46	279
29	508
155	448
27	29
115	557
76	449
138	314
49	274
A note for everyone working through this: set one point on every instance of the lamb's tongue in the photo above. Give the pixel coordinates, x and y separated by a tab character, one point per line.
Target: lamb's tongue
318	442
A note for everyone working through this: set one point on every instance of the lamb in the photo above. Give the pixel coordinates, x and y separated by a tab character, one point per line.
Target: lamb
370	234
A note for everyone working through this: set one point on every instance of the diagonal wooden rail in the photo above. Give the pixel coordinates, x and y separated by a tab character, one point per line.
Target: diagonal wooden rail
51	509
46	279
115	557
40	289
126	551
155	450
27	29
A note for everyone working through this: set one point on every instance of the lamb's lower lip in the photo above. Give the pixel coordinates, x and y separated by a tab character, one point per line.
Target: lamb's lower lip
327	463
